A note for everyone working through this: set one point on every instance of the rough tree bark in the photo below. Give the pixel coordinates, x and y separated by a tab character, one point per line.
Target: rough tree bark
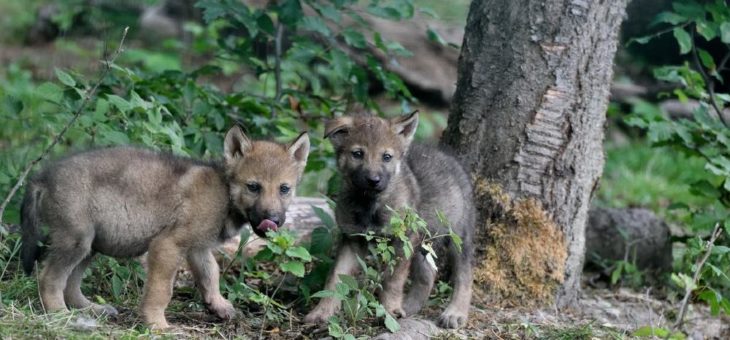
529	108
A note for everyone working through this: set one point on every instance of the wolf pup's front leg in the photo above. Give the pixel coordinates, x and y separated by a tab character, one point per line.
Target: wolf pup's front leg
205	271
345	264
391	297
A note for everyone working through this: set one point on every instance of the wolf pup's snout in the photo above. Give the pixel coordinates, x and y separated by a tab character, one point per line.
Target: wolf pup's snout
371	181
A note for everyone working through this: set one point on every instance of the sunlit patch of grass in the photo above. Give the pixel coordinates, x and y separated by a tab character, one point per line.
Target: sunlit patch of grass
637	175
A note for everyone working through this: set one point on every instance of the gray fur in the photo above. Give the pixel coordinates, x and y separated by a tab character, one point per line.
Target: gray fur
417	176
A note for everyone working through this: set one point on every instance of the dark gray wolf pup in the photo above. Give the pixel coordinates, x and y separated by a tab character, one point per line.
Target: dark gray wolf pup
380	168
124	201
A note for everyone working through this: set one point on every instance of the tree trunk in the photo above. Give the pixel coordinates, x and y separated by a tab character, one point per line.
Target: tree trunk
529	109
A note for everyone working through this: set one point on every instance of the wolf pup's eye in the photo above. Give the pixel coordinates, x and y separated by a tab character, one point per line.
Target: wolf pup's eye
253	187
284	189
387	157
357	154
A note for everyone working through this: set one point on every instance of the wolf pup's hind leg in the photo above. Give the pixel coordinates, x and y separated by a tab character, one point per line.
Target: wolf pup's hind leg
66	252
422	279
75	299
456	314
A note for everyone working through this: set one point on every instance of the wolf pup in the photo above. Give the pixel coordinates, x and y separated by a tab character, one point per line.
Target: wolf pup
123	201
380	168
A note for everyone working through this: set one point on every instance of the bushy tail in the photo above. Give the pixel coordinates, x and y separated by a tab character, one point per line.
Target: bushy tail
30	228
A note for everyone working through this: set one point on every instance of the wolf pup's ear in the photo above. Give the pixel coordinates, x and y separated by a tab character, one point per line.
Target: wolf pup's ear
299	150
235	145
405	127
336	129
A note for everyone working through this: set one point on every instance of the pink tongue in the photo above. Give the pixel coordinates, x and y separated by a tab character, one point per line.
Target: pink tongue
267	225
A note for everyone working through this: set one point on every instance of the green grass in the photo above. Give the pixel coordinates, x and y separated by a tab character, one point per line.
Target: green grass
637	175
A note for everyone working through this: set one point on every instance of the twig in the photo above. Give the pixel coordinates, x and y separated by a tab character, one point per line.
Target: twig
59	136
266	307
277	64
709	83
696	277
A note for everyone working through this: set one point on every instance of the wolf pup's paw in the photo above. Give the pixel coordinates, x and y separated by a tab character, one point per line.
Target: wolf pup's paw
452	319
398	313
222	308
158	324
319	314
395	310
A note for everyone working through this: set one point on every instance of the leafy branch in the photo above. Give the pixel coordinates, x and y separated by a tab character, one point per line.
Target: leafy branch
709	83
689	286
80	109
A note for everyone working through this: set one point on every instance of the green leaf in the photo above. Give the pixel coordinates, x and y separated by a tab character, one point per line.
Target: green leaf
683	39
725	32
50	92
116	286
354	38
324	217
707	30
689	9
706	59
335	330
212	9
389	13
616	274
265	23
391	324
324	294
65	78
321	242
398	49
111	137
342	290
328	11
315	24
434	36
121	104
669	18
719	250
660	131
349	281
300	253
290	11
294	267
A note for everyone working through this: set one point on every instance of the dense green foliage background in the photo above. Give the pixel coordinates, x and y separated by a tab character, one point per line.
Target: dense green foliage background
182	94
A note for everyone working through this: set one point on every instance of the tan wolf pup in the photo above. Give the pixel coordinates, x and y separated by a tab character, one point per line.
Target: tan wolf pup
381	169
124	201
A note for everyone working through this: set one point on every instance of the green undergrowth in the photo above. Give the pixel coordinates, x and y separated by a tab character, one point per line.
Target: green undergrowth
639	175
